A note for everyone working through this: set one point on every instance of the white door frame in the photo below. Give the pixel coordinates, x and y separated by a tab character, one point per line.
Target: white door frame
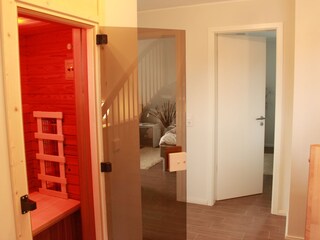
213	78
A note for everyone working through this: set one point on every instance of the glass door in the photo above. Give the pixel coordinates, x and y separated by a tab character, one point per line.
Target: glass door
141	203
120	116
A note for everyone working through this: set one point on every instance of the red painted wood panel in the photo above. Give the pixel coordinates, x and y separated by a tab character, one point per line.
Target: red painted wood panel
66	229
45	88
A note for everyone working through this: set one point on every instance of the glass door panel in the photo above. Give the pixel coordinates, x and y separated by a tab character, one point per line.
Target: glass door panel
141	203
120	116
161	77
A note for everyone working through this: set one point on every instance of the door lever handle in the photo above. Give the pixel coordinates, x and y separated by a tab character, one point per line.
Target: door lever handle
261	118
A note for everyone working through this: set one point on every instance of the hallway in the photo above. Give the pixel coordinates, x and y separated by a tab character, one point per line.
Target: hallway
246	218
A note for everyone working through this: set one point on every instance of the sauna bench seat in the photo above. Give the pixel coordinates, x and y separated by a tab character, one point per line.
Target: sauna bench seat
50	210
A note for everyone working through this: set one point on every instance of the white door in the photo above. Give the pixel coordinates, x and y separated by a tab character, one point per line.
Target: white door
241	103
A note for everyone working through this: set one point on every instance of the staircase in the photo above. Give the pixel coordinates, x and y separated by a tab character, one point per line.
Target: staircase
152	70
121	102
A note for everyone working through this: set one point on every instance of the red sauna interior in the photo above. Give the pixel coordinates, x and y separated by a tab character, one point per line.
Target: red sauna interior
48	85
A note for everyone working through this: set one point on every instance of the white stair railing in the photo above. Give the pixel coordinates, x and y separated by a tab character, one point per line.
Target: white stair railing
152	71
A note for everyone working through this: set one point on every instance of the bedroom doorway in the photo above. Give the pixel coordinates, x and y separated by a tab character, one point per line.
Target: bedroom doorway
246	69
275	29
161	74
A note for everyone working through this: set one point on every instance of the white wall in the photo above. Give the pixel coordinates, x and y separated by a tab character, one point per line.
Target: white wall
118	13
306	111
196	20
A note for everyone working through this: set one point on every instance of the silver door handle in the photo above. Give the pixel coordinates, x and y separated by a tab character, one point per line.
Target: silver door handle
261	118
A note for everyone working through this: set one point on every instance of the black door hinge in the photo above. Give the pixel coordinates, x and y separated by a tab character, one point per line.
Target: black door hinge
106	167
27	204
101	39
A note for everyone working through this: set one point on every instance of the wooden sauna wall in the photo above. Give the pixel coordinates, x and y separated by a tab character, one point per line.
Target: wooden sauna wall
43	51
312	231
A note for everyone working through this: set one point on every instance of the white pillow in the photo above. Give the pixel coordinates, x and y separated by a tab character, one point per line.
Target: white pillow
169	139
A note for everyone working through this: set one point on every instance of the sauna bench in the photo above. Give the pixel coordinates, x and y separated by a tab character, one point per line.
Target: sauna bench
50	210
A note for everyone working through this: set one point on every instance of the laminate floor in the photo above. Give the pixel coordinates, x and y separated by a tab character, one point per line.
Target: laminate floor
246	218
163	217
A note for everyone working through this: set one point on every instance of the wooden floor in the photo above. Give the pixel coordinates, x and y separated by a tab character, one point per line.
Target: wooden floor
163	217
246	218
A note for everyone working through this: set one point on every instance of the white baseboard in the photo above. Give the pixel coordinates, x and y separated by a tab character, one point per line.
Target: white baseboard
288	237
199	201
282	213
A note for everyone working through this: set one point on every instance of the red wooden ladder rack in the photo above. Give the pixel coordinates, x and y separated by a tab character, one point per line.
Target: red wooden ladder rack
51	154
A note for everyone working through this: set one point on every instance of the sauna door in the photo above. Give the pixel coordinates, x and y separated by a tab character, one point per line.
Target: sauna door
162	84
120	119
120	116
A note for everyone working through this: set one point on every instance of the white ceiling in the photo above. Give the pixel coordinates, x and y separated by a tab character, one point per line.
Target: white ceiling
156	4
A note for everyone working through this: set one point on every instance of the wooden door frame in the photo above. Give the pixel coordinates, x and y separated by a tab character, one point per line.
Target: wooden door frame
88	109
83	132
278	152
179	35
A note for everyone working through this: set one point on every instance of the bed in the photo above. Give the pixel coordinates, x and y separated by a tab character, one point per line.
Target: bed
169	138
